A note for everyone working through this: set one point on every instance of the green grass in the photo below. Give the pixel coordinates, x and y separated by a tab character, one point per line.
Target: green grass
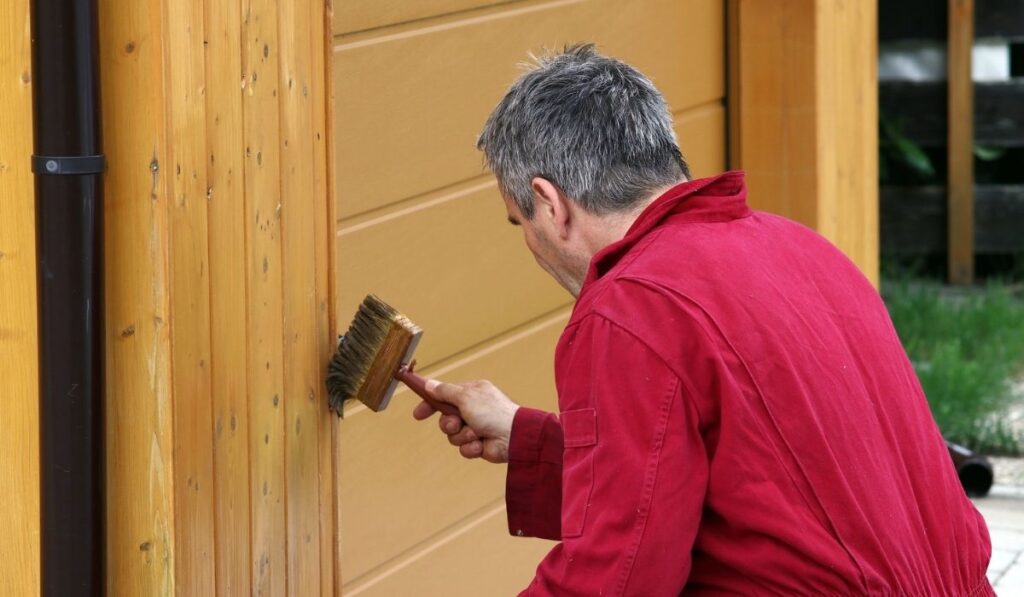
967	347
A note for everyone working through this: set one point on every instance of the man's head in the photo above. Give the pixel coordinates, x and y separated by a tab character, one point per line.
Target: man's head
584	141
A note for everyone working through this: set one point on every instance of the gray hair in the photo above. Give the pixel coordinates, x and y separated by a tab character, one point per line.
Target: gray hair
593	126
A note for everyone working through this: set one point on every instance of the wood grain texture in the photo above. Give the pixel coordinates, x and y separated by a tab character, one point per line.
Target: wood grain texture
410	101
302	380
804	125
139	424
189	293
19	429
961	142
323	213
501	563
452	264
394	499
846	98
228	332
260	54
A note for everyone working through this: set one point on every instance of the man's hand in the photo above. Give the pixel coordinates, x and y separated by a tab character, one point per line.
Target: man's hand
487	413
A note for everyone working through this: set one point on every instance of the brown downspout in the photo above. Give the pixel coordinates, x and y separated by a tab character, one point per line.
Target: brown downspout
68	164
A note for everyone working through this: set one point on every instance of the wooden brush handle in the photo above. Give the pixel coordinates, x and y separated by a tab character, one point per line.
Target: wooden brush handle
418	384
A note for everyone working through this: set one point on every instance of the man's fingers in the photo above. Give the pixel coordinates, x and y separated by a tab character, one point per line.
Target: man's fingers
422	411
450	424
464	436
472	450
445	392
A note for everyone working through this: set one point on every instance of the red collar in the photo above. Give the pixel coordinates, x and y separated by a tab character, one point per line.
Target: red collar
716	199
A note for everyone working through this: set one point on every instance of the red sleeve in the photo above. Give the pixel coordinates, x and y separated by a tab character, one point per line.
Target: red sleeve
533	486
635	470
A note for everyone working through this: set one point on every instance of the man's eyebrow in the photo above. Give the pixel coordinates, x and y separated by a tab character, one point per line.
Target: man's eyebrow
513	221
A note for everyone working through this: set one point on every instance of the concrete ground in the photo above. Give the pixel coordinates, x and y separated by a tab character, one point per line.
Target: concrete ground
1003	510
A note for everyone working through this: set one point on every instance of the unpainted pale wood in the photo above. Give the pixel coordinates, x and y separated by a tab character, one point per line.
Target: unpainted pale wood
411	102
961	142
323	231
358	15
503	564
805	113
846	90
140	465
453	265
260	54
396	498
19	370
302	379
228	332
189	293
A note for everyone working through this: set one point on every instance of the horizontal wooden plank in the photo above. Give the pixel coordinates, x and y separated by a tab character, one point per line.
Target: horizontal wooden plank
913	220
478	555
928	20
359	15
397	494
919	111
409	105
701	133
453	265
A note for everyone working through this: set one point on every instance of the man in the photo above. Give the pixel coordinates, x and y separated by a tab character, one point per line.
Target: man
737	414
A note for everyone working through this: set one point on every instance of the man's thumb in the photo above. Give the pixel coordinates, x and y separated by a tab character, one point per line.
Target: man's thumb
445	392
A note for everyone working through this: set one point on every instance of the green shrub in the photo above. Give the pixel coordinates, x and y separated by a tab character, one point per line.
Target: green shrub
967	347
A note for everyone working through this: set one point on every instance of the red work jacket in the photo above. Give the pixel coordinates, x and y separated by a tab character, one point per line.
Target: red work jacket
737	415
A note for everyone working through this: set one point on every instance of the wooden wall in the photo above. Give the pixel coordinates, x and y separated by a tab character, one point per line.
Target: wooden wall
19	392
225	473
421	224
804	115
220	470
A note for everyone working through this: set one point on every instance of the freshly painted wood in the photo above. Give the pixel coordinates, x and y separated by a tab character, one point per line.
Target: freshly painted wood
501	563
189	294
805	114
453	264
396	497
701	133
421	224
225	171
961	142
359	15
302	379
140	464
19	429
260	54
410	103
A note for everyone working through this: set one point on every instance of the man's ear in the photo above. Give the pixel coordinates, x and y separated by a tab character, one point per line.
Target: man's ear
549	202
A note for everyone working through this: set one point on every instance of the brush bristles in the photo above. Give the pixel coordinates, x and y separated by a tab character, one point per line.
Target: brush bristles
379	341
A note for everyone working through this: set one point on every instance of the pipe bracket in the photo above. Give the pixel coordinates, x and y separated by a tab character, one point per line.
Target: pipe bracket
78	165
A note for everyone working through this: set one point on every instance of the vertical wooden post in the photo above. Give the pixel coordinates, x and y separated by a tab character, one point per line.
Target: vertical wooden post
961	142
803	115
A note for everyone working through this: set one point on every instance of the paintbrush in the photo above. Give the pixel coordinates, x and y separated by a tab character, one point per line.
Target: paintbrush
373	356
